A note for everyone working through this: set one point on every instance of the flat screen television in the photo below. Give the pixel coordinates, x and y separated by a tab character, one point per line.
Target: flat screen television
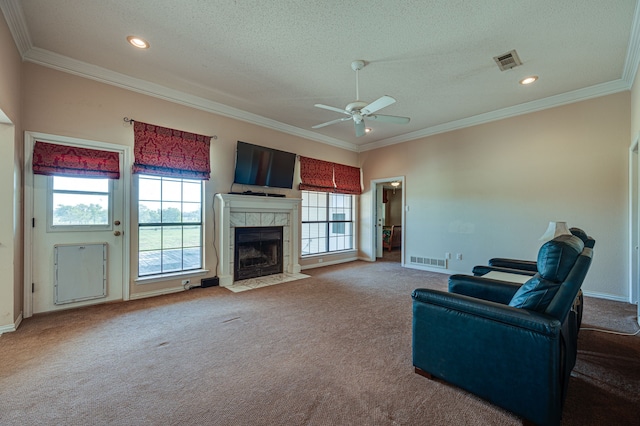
262	166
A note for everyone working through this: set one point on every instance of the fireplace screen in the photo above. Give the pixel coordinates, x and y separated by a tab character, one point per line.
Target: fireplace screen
257	252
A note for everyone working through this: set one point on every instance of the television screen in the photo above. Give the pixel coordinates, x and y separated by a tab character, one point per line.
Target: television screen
261	166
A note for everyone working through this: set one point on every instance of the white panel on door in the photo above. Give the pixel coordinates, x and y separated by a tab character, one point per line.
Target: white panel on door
80	272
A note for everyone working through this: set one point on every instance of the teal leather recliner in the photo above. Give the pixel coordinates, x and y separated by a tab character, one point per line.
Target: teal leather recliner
509	344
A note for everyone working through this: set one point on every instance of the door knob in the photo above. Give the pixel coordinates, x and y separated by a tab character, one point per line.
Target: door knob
117	233
117	222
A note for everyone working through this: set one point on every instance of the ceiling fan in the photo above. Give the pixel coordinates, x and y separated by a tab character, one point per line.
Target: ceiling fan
358	109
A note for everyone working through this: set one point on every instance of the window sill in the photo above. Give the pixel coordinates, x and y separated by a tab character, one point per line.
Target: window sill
328	253
168	277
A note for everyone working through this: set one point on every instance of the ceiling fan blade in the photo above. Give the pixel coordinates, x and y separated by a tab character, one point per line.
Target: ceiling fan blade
378	104
330	108
389	119
360	130
328	123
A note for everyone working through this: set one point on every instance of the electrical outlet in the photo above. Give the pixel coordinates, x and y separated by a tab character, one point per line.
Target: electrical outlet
459	256
185	282
447	255
320	260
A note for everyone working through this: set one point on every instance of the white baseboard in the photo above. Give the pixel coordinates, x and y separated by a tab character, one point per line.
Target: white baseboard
331	262
156	293
12	327
605	296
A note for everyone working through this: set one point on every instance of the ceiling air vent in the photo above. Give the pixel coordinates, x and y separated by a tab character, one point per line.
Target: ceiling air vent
508	60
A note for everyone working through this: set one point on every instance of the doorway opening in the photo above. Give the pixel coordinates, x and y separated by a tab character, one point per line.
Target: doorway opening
388	214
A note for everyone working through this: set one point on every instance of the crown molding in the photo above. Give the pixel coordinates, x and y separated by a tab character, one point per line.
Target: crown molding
533	106
12	11
72	66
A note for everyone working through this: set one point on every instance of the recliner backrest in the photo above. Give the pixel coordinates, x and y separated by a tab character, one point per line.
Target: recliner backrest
587	240
561	304
556	258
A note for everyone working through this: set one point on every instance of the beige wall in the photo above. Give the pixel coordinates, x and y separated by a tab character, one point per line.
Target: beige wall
63	104
490	190
10	182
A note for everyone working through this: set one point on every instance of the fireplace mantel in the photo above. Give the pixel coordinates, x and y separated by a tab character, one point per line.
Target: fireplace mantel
234	210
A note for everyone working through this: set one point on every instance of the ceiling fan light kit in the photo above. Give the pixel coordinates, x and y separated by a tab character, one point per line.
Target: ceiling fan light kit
359	110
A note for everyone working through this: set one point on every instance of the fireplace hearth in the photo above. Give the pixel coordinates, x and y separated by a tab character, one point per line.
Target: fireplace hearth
258	252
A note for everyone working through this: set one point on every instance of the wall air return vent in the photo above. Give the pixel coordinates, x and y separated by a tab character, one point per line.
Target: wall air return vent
429	261
508	60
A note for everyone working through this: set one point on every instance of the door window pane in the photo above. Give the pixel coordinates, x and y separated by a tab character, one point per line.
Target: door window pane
79	202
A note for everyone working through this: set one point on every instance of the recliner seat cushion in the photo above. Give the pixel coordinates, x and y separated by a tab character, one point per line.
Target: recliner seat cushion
555	260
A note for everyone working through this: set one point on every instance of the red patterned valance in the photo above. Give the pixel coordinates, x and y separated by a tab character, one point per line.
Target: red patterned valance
347	179
63	160
316	175
162	151
324	176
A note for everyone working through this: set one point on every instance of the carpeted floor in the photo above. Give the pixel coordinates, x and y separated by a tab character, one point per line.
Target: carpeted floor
332	349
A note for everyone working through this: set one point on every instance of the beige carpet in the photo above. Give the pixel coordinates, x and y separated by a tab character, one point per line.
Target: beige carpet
332	349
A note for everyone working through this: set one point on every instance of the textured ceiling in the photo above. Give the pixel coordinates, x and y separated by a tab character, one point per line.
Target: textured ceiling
270	61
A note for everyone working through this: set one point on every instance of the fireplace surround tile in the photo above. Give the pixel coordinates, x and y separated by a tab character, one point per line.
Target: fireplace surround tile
235	210
267	219
281	219
253	219
238	219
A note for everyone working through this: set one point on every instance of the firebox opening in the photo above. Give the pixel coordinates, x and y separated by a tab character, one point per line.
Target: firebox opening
257	252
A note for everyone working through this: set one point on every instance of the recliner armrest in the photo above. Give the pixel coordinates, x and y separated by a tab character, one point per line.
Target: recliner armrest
525	265
480	270
483	288
501	314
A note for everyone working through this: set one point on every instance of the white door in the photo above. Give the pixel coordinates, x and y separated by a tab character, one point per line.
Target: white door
380	218
76	214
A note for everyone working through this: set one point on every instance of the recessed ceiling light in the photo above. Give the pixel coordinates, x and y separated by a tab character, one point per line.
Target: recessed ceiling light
528	80
138	42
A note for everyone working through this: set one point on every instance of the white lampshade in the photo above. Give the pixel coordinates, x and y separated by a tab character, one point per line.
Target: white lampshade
555	229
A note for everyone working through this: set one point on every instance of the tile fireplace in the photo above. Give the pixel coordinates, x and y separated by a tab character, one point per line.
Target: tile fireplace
262	215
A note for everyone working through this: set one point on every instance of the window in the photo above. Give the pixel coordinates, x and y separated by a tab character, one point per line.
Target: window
169	225
76	203
327	222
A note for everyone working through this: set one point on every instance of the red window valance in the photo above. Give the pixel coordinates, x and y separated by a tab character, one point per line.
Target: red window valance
347	179
162	151
324	176
63	160
316	175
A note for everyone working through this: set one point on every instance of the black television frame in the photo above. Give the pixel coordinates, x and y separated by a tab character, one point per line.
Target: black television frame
262	166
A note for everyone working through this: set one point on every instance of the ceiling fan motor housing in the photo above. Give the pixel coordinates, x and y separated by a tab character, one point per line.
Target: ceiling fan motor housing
356	106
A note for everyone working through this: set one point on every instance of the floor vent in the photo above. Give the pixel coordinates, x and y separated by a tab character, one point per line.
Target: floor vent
429	261
508	60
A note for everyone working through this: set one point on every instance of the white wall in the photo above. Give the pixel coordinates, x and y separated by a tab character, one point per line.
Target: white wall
490	190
